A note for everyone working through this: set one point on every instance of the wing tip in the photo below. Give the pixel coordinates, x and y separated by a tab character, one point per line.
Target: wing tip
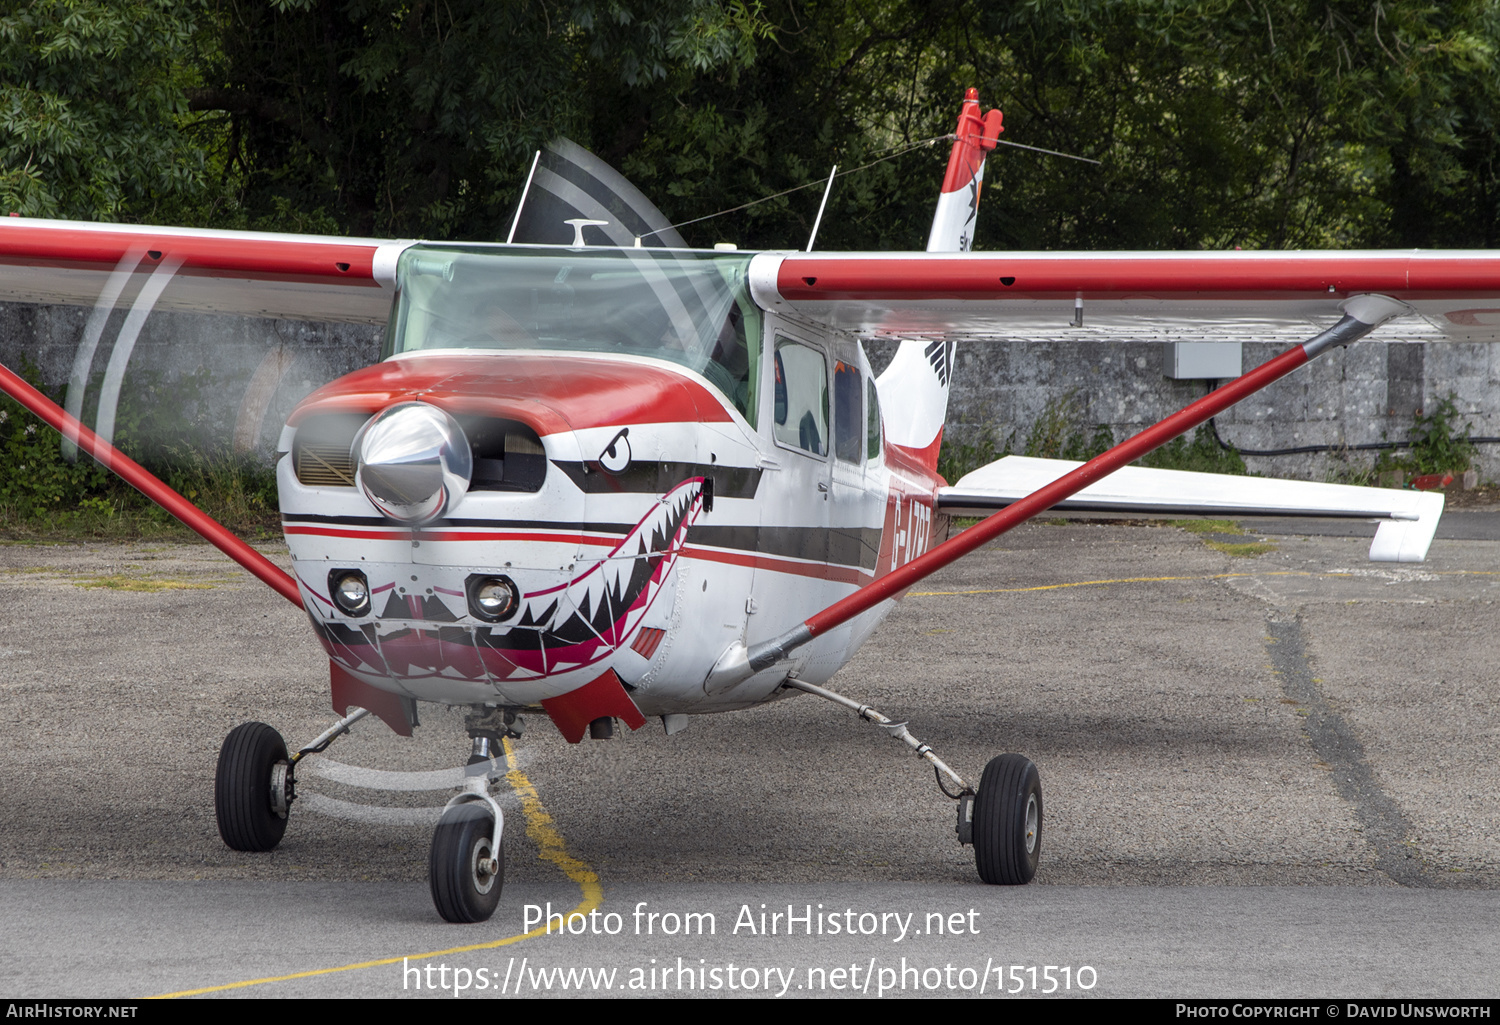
1409	540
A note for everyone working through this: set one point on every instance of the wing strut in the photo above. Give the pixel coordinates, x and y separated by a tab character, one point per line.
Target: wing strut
112	459
1362	314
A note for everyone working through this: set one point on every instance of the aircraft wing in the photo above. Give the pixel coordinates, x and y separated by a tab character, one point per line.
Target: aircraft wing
1408	519
1132	296
1238	296
258	274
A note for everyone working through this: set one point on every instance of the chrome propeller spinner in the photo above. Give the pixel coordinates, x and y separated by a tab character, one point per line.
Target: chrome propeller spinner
413	462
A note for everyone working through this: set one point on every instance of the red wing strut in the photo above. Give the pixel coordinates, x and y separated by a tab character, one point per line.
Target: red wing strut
1362	314
138	477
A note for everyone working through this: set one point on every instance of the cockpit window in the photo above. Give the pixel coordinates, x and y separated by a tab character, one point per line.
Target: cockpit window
690	308
801	406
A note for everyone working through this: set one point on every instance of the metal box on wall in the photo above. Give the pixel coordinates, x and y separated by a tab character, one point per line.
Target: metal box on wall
1188	361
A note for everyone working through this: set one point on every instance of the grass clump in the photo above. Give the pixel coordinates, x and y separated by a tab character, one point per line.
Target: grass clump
1201	453
120	582
957	458
1437	444
1061	431
1208	526
1244	550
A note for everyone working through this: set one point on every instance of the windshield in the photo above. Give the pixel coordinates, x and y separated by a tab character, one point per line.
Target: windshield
690	308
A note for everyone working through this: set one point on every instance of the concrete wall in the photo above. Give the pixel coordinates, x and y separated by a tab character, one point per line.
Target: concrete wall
1365	393
255	369
261	368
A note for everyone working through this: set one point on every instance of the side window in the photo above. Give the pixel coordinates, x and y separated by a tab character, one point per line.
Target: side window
846	418
801	397
872	423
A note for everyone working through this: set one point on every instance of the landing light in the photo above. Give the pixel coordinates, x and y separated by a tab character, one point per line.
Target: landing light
493	599
350	591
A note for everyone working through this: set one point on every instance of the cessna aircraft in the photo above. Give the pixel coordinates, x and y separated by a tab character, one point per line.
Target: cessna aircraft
620	480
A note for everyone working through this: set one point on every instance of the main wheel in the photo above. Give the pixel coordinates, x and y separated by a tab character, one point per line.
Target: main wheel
252	788
1008	821
464	889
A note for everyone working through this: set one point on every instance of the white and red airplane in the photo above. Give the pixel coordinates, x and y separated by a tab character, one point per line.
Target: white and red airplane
613	482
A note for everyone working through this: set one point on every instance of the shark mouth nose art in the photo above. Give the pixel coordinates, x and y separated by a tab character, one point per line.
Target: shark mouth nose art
556	629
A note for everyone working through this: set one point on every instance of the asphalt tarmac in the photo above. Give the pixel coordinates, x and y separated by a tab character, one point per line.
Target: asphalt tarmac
1264	774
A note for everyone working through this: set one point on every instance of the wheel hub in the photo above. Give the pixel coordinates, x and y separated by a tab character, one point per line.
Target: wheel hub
482	866
283	789
1031	824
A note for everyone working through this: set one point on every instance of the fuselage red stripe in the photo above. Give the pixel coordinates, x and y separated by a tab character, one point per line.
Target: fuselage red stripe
818	570
454	535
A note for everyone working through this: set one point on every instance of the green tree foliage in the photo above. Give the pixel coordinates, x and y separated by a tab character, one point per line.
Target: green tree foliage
1258	123
34	478
93	109
419	118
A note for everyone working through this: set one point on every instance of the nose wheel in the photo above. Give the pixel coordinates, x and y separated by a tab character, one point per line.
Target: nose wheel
466	867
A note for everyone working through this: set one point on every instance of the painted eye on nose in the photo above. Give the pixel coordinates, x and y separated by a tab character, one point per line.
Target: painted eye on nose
616	455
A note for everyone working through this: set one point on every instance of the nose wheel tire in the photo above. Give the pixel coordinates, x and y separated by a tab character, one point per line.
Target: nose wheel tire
1008	821
465	874
252	788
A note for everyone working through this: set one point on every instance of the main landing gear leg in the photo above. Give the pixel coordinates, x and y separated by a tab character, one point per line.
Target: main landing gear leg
1002	820
254	784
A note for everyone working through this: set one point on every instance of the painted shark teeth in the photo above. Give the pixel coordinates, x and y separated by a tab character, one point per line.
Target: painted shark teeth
588	618
558	629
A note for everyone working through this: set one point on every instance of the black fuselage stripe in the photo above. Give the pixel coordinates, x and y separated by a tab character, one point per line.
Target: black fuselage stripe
838	546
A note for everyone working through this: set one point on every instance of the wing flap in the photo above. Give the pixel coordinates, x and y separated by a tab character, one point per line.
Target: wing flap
1409	519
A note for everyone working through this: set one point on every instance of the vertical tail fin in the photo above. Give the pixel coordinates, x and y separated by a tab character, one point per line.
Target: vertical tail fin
914	388
914	397
958	203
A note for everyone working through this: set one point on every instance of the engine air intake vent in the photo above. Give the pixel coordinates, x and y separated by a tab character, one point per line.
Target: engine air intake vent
320	451
508	455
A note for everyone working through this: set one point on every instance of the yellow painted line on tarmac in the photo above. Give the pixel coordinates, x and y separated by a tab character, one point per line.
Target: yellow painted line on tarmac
544	834
1095	583
1158	580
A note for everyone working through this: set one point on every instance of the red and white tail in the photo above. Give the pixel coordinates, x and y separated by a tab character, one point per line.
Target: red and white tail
958	204
914	388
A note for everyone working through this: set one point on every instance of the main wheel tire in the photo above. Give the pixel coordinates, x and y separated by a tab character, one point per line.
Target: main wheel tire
461	890
1008	821
248	821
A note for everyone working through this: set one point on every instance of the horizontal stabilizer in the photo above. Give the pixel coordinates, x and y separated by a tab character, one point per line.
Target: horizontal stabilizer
1409	518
